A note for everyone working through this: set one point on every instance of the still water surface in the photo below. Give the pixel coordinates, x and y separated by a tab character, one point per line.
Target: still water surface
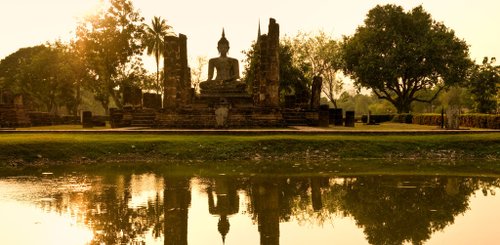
149	208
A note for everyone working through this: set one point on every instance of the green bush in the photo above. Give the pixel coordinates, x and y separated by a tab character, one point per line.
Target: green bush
480	121
378	118
403	118
427	119
466	120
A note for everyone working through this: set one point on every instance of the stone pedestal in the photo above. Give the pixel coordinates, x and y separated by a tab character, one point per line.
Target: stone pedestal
87	119
349	119
324	119
336	117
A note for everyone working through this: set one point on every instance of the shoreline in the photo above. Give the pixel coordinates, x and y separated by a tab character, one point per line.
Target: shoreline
34	148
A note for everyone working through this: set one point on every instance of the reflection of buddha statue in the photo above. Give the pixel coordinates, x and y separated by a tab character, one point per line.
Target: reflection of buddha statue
227	70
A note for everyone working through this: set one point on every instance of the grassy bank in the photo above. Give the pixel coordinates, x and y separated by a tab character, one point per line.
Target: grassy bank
67	147
469	153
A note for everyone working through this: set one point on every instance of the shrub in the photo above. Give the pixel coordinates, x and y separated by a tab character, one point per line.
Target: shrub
427	119
377	118
403	118
480	121
466	120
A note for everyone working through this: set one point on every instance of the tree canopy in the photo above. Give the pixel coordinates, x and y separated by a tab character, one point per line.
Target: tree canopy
154	42
397	54
484	85
45	75
323	56
111	45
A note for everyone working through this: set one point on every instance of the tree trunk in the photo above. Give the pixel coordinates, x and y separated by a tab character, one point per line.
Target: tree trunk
403	106
105	106
116	98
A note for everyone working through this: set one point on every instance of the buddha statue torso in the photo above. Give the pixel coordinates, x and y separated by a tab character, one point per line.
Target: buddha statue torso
227	71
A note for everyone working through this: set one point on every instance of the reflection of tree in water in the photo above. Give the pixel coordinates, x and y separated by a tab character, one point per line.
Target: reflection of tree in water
109	215
393	210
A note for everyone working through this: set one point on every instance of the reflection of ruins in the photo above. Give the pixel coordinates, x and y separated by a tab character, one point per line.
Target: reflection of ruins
390	209
177	198
226	202
266	207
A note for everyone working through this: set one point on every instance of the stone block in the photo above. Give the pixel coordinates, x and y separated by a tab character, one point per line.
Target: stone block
349	119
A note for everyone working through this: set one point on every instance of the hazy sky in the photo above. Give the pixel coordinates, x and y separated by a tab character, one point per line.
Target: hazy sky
30	22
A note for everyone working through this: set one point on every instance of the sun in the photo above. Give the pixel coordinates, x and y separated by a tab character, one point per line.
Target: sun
84	8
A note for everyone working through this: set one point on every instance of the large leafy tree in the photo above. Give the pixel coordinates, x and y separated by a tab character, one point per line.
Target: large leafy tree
154	42
45	75
484	85
397	54
323	55
111	42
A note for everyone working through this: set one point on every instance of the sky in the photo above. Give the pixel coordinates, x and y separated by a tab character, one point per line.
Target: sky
25	23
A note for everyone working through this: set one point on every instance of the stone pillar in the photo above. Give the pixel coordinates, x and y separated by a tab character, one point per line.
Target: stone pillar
349	119
452	118
316	92
184	83
324	118
171	70
266	84
87	119
336	117
273	74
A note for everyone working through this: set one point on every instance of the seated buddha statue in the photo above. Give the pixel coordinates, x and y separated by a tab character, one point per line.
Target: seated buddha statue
227	69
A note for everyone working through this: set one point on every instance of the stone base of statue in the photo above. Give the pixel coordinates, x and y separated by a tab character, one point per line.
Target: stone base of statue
233	93
222	106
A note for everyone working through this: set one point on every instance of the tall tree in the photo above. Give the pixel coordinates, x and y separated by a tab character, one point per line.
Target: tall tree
43	74
397	54
323	55
196	73
154	42
484	85
111	42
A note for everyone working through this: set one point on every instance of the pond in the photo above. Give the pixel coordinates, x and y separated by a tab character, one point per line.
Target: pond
161	208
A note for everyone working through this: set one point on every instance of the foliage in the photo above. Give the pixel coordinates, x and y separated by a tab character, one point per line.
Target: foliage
484	85
377	118
466	120
427	119
398	54
480	121
110	42
45	75
403	118
393	214
322	54
361	104
154	42
197	72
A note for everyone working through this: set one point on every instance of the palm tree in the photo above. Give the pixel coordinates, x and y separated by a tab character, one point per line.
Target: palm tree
153	41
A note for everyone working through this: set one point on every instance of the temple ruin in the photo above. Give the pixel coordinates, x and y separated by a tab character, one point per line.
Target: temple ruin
223	101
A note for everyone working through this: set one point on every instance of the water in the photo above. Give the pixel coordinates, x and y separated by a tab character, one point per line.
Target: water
153	208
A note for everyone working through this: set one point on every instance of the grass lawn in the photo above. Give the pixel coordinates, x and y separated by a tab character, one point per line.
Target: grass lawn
321	153
386	126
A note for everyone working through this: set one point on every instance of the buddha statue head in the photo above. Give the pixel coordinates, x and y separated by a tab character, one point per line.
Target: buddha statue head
223	44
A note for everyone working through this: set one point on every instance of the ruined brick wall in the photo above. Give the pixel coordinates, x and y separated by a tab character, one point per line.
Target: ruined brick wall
177	78
266	86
